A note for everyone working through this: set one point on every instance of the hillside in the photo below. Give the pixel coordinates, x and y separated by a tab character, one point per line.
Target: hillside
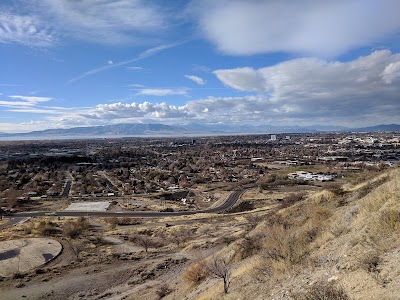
343	241
331	242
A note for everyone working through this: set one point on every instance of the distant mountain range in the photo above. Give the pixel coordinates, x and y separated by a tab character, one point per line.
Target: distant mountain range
121	130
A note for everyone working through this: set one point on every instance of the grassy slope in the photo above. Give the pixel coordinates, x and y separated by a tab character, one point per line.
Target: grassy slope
350	239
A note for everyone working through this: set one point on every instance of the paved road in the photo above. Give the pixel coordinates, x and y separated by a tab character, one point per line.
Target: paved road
67	187
228	204
12	220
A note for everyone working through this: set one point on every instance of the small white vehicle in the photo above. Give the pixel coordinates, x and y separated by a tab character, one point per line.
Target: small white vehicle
51	214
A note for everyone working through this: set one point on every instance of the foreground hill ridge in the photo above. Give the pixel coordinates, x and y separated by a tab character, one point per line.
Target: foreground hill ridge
138	129
346	239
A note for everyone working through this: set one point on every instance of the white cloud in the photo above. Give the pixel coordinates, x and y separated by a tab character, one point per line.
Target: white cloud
322	28
196	79
310	88
136	85
162	92
32	99
24	30
391	72
137	110
242	79
135	68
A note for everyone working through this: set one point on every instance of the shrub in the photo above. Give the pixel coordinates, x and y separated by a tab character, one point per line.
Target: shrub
195	273
278	220
336	189
113	221
19	284
292	199
243	206
74	229
47	229
27	230
179	237
82	223
227	239
250	245
285	244
163	291
128	221
254	220
168	209
371	262
18	275
323	291
40	271
70	230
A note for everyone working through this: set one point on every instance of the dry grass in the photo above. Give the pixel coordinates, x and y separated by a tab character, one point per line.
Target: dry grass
371	263
195	273
381	206
390	221
74	229
323	291
47	228
322	197
249	246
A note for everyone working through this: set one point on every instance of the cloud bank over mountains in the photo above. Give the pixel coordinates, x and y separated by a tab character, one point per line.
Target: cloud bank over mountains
306	90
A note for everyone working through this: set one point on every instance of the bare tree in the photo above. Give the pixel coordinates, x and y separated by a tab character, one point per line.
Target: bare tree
145	241
181	236
220	268
77	247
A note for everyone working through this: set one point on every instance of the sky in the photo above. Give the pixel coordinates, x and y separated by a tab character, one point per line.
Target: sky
69	63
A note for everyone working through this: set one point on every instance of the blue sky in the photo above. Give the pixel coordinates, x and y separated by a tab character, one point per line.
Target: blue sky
66	63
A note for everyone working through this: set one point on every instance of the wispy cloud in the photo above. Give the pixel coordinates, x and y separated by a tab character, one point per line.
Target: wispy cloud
32	99
24	101
104	22
162	92
15	103
44	22
196	79
25	30
145	54
135	68
8	85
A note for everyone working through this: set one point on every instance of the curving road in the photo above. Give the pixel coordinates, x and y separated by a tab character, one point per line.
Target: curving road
228	204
